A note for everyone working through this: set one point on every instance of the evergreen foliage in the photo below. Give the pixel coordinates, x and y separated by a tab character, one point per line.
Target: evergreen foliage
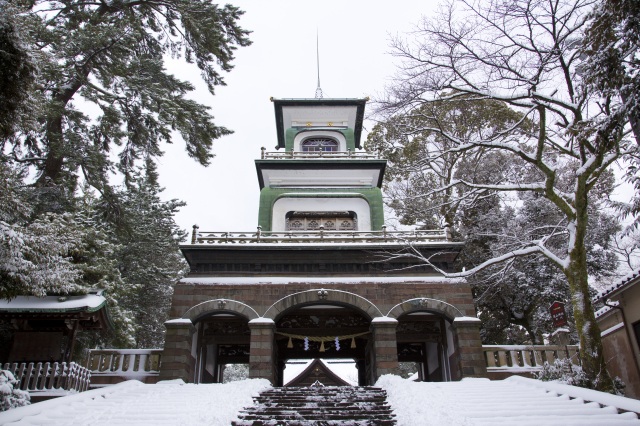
110	55
10	394
84	97
612	69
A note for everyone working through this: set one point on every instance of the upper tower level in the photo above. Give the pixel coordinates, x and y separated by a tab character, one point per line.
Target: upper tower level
313	125
317	180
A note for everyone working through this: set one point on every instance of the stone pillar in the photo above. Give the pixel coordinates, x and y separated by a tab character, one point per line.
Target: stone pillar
177	359
362	372
560	337
472	361
385	346
261	353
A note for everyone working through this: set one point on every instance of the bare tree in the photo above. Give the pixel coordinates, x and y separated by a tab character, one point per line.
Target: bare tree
527	54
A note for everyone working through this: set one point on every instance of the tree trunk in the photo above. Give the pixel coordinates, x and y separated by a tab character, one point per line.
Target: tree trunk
591	353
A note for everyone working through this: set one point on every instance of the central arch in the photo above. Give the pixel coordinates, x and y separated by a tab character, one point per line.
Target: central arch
307	324
323	330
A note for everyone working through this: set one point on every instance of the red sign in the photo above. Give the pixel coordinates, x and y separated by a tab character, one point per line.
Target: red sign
558	314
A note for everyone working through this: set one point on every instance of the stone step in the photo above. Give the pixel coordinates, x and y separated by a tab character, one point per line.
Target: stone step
319	406
334	405
312	412
321	400
316	423
284	417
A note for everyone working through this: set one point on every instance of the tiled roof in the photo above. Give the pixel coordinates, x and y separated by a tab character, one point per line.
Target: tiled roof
631	279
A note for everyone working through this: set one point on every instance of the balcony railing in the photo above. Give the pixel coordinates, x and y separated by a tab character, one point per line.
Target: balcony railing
127	363
329	155
320	236
526	358
50	377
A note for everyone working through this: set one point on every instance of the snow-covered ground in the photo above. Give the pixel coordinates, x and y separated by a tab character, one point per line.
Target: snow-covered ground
515	401
133	403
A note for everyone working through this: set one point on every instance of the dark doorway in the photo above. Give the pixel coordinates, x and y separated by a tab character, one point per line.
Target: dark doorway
223	339
425	345
299	330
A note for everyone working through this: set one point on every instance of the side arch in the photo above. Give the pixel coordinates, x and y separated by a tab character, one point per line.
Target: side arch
321	296
425	304
220	306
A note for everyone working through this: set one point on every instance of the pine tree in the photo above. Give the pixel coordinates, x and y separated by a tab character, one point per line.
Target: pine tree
35	254
111	55
149	259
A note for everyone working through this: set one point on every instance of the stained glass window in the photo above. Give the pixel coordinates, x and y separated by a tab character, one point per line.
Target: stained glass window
319	144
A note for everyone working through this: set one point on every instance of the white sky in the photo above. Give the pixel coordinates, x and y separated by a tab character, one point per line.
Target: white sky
281	62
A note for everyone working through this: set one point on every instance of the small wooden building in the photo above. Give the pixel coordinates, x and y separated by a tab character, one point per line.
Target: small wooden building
317	372
43	329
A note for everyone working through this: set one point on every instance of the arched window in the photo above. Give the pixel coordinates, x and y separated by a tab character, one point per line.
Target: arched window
317	144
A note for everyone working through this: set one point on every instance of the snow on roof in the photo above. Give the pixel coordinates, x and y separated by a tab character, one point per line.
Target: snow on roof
319	280
85	303
514	401
347	371
631	279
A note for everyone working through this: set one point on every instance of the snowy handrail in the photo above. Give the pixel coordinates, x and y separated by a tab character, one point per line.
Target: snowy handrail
319	236
50	376
526	357
124	362
329	155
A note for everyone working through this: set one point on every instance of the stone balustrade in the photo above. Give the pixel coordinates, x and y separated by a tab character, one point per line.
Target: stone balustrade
329	155
110	366
49	377
526	358
319	236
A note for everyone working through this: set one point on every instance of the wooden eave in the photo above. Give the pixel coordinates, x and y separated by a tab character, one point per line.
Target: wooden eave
321	164
316	363
358	103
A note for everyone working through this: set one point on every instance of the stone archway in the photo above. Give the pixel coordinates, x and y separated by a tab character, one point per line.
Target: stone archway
426	345
326	331
315	314
439	337
320	296
221	337
218	306
421	304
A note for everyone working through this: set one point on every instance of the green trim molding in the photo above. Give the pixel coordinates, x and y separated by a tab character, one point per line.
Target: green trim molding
292	132
268	197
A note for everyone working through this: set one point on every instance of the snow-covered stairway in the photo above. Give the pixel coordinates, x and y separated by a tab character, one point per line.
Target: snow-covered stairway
514	401
319	405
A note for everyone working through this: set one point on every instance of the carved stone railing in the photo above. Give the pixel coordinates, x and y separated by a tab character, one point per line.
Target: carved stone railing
50	377
526	358
125	363
320	236
329	155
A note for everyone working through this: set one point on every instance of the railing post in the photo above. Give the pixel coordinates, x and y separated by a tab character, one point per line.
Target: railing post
259	232
513	354
321	229
384	232
194	234
262	149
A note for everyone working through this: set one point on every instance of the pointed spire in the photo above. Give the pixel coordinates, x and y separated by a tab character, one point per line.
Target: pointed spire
318	89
